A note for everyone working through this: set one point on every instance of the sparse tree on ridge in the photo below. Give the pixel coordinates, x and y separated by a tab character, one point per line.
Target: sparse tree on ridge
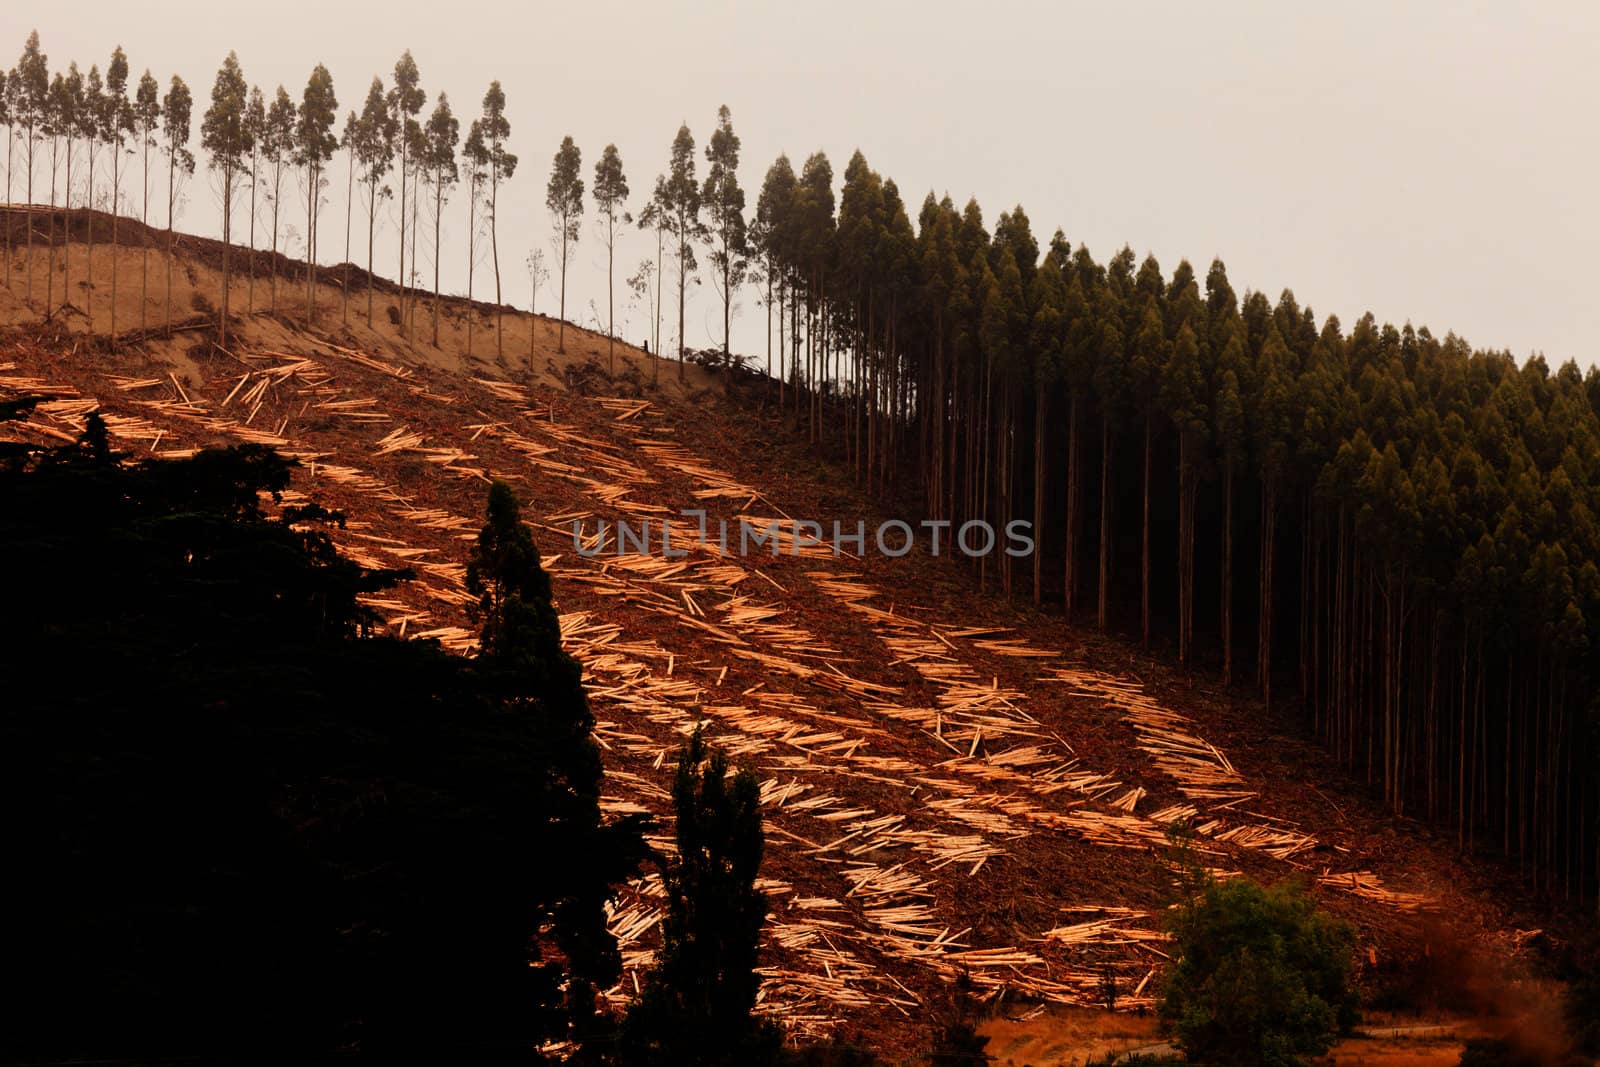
439	160
724	202
347	141
564	198
225	135
610	194
118	125
176	108
255	118
30	93
146	126
375	135
278	144
654	217
494	129
314	145
90	111
405	103
61	119
476	153
678	198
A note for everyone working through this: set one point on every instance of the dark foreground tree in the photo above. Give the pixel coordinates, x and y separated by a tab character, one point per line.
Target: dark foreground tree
697	1007
252	831
1262	977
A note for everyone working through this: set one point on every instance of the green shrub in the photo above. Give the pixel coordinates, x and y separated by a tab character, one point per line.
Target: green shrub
1262	978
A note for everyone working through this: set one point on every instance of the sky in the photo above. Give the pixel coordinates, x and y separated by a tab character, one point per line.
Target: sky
1432	163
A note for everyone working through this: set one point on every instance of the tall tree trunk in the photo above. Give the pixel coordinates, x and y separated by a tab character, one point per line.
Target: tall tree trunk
561	326
349	210
1227	571
250	298
472	255
438	211
1069	582
28	216
409	285
11	148
50	266
172	197
144	238
683	281
494	248
88	218
313	194
1107	444
401	276
227	248
116	214
277	193
611	297
1269	523
1144	577
372	226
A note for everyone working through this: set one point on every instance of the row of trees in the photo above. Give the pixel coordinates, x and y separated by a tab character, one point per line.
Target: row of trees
1400	527
253	142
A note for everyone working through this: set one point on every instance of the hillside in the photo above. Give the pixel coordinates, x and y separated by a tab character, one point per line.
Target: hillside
953	784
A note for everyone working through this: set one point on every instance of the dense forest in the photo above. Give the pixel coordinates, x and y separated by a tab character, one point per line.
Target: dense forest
1386	532
1393	528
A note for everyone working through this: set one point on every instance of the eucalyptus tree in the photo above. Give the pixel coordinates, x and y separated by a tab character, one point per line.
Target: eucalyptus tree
30	95
654	217
442	134
375	134
176	109
610	196
538	274
500	165
347	141
146	128
90	115
724	202
225	135
771	230
314	146
255	119
405	104
678	201
118	125
278	146
61	114
476	154
814	251
564	199
1048	344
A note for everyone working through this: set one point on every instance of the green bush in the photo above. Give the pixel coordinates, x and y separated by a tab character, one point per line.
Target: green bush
1262	978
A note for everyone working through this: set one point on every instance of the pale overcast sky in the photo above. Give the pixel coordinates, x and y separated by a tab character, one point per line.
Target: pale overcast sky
1430	162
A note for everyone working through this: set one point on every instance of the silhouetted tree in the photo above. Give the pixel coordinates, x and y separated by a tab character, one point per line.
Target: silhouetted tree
696	1009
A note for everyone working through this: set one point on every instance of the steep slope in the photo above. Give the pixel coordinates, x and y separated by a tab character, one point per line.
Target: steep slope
951	785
